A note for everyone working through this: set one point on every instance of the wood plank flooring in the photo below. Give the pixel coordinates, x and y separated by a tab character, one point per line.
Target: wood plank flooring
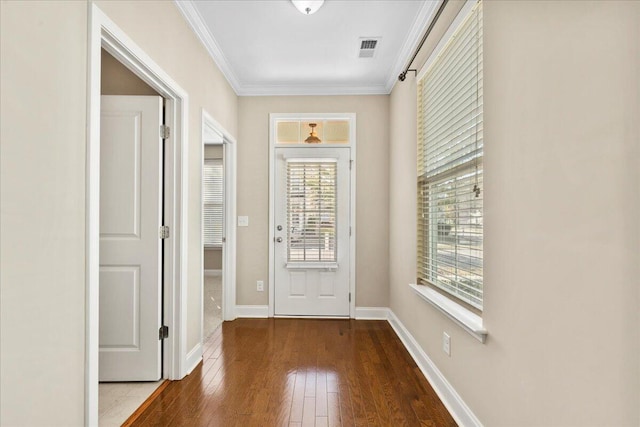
300	372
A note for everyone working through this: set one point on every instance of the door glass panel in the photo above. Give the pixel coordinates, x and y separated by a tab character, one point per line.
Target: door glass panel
311	210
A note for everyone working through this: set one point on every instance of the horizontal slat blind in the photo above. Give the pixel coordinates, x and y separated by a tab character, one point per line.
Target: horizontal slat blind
311	210
450	149
213	194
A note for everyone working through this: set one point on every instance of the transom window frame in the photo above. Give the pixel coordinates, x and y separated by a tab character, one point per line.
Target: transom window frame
467	317
274	118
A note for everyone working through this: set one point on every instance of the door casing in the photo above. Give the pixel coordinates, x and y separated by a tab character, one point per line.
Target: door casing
104	33
273	117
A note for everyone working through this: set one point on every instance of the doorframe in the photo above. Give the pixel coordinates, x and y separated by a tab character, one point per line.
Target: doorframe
104	33
352	197
229	247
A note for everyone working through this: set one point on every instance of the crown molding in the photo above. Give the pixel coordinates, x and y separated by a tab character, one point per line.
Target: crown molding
197	24
284	89
422	21
193	17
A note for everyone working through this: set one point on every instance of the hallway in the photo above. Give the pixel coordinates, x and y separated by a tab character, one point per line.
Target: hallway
299	372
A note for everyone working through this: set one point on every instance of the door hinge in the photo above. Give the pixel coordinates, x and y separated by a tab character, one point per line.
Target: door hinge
163	332
350	164
165	131
349	296
164	232
349	230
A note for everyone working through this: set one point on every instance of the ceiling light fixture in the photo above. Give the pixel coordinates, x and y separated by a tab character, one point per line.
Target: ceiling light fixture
312	138
307	7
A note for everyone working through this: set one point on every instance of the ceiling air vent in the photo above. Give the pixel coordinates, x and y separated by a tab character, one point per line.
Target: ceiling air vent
367	47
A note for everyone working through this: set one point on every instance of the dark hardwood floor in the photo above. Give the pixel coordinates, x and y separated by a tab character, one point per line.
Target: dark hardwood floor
300	372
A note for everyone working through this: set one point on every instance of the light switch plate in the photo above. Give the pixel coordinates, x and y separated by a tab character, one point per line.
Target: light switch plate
243	221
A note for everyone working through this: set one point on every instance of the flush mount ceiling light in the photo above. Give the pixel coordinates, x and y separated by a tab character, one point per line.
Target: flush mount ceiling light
312	138
307	7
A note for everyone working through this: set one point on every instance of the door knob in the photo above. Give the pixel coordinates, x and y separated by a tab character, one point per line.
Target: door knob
279	239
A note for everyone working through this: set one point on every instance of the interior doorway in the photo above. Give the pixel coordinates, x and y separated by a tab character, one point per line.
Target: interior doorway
213	239
218	225
104	35
131	261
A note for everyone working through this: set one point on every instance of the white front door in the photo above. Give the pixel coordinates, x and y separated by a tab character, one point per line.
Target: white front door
312	214
130	247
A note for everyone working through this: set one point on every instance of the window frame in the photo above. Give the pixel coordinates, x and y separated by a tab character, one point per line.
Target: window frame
215	162
457	309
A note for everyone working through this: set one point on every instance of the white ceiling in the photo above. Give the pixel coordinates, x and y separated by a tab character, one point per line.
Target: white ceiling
267	47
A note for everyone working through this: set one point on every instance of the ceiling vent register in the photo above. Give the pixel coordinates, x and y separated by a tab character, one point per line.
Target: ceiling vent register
367	47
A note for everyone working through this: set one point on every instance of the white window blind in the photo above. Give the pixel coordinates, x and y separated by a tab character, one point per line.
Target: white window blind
213	194
311	210
450	149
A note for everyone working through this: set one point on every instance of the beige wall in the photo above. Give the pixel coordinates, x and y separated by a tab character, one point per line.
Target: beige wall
213	259
116	79
562	237
42	161
213	151
42	269
372	253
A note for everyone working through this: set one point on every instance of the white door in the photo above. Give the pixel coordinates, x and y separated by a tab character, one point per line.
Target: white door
130	245
312	211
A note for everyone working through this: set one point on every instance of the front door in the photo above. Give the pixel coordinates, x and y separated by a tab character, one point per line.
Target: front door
312	214
130	245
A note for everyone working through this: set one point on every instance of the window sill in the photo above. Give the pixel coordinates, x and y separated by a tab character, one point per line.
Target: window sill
469	321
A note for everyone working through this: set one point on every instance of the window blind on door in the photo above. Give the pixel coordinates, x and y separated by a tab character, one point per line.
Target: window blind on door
450	169
213	195
311	210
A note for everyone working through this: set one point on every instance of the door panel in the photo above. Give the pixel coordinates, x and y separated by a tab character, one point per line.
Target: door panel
130	247
312	211
120	307
120	185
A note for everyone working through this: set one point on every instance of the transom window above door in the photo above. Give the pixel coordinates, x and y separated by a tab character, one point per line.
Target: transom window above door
313	132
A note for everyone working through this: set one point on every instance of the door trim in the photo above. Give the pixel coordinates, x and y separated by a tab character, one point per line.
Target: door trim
229	253
104	33
352	197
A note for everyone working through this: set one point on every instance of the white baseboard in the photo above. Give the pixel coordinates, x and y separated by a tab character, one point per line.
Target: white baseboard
193	358
213	272
372	313
252	311
445	391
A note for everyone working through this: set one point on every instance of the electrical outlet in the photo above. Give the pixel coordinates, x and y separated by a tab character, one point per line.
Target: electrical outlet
446	343
260	286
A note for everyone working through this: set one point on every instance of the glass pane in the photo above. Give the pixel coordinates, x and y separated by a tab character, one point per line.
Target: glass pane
288	132
455	235
311	211
328	131
213	195
336	132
